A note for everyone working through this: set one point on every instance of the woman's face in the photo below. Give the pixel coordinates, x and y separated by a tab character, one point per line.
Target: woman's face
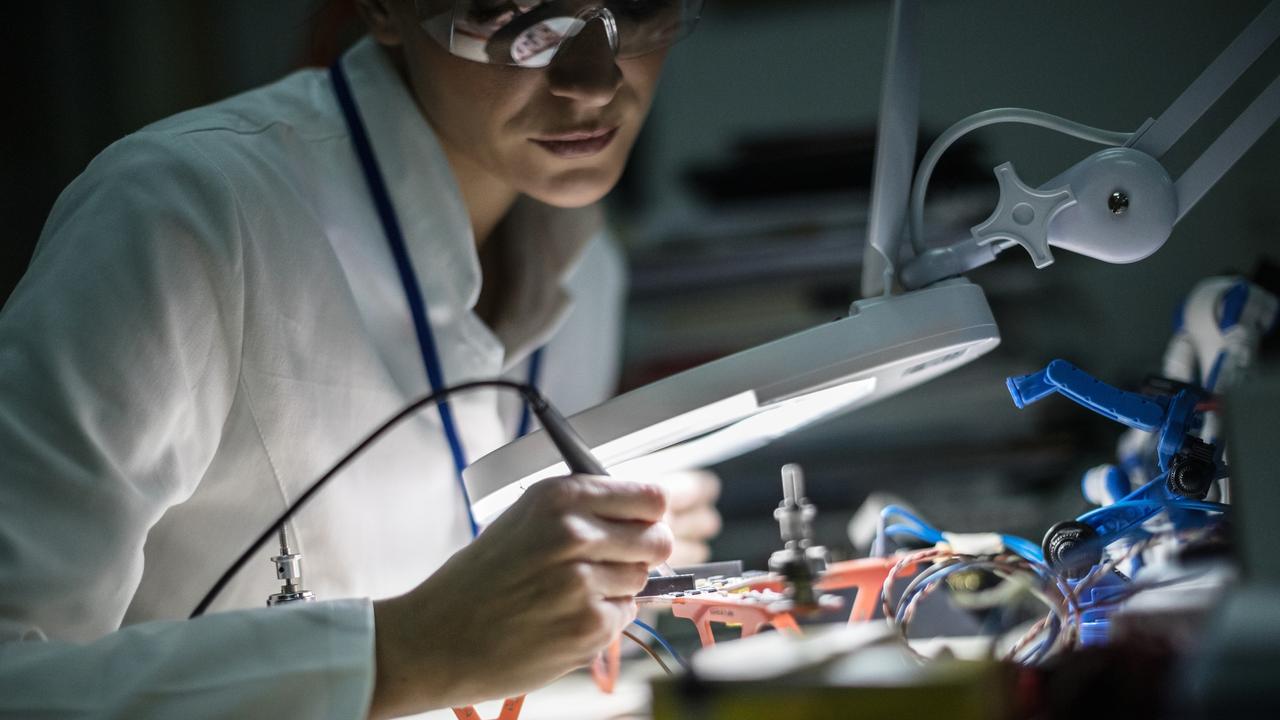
560	134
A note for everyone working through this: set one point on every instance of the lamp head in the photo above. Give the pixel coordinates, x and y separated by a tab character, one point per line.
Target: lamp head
746	400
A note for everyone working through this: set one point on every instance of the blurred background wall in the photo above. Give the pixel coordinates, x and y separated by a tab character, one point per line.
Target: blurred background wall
744	207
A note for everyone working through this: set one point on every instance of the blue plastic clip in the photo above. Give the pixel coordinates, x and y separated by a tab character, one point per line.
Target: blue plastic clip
1095	611
1125	517
1171	416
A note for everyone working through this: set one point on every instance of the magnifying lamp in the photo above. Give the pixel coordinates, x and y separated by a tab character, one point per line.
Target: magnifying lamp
1118	206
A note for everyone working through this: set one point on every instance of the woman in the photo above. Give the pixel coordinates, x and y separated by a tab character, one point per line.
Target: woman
226	301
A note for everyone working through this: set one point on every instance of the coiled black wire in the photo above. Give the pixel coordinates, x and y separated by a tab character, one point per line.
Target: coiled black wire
529	393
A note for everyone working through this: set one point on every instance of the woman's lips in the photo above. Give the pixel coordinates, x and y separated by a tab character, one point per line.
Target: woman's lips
576	144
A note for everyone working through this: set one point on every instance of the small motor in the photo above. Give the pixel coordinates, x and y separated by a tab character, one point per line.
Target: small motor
800	562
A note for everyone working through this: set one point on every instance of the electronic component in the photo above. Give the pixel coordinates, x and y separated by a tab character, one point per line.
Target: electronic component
664	584
799	561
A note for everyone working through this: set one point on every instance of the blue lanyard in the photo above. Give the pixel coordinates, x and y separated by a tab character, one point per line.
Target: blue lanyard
412	292
535	370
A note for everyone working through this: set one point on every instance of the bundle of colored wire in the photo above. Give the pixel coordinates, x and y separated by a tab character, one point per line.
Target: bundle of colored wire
1041	582
1078	593
648	651
911	525
657	636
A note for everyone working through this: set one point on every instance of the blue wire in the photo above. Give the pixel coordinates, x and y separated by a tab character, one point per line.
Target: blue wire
930	536
1023	547
897	510
918	528
927	533
661	641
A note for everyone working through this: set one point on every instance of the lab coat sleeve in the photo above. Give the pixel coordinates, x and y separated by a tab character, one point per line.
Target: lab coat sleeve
119	361
309	660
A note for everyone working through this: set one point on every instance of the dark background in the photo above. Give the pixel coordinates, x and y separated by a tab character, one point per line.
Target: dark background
743	209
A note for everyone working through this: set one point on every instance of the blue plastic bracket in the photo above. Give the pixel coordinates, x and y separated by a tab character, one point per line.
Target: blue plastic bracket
1170	416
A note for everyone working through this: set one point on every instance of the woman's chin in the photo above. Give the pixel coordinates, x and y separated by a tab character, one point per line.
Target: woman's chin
574	188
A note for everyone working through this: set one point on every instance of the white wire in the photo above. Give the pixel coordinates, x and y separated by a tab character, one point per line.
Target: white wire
992	117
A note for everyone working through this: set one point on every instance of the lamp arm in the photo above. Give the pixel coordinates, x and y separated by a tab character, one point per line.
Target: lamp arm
896	140
1215	80
1120	205
1200	95
1239	136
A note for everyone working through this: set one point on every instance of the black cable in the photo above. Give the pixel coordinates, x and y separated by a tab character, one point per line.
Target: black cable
530	394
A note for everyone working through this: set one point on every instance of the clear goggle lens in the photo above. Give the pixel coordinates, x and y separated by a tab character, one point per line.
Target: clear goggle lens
527	33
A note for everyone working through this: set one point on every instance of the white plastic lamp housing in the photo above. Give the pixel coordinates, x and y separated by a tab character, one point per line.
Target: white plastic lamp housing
743	401
1125	208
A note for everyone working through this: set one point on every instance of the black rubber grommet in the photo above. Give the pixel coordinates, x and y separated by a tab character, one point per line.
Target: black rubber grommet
1071	548
1191	472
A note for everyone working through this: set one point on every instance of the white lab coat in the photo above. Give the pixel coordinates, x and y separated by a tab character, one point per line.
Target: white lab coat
212	317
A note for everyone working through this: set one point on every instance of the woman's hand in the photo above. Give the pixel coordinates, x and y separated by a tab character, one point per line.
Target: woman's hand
542	590
692	514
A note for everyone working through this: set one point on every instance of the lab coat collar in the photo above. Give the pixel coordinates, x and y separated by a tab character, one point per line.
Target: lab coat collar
543	244
427	201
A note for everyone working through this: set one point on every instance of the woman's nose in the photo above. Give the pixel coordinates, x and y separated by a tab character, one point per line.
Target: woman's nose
584	69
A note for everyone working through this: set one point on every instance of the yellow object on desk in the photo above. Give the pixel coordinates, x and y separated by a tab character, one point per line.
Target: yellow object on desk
839	672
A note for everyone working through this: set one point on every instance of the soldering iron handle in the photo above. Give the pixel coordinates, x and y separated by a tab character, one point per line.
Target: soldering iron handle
577	456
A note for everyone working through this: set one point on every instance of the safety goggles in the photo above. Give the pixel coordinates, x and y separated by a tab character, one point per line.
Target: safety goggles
528	33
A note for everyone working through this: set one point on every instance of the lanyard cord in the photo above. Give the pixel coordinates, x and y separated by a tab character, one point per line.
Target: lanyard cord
535	369
412	292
